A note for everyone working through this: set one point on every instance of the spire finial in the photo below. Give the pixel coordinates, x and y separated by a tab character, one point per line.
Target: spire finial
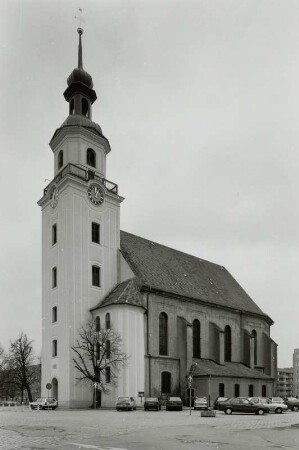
80	62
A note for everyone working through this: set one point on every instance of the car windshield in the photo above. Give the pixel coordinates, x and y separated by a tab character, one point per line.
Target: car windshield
176	399
201	399
151	399
120	399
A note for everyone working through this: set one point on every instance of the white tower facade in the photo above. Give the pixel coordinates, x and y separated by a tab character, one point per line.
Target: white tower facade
80	238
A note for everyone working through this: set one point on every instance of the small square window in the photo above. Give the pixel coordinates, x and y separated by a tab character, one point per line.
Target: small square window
54	277
95	232
54	314
96	276
54	234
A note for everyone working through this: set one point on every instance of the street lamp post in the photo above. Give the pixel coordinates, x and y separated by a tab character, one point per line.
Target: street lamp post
190	379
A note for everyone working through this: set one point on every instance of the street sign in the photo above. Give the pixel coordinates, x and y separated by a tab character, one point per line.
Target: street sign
141	394
48	386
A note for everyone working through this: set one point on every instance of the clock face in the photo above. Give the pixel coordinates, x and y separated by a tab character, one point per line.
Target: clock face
95	194
54	197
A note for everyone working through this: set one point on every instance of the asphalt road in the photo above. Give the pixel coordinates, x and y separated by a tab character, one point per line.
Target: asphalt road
108	430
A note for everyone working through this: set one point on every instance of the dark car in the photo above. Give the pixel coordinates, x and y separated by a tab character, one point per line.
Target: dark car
292	403
218	401
152	403
174	403
242	405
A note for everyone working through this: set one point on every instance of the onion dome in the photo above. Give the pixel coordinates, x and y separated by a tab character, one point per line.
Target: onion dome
79	79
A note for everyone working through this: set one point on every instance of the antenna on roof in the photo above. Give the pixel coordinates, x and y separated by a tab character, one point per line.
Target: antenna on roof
80	18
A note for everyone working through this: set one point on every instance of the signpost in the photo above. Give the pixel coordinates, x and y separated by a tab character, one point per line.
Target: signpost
48	387
141	395
190	379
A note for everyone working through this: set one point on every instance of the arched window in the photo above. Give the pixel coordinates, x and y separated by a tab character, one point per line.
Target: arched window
54	347
227	344
98	324
107	321
264	390
196	338
221	390
108	375
165	382
98	350
91	157
237	390
255	346
60	159
84	107
108	350
250	390
72	107
163	333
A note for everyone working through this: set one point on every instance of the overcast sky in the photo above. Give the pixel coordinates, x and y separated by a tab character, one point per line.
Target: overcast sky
199	100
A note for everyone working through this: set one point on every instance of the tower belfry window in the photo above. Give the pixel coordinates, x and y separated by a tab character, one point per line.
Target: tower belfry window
91	157
72	107
60	159
84	107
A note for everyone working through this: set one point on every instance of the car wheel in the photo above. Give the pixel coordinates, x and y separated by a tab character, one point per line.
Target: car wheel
295	408
145	409
31	407
260	412
278	410
181	409
228	411
117	409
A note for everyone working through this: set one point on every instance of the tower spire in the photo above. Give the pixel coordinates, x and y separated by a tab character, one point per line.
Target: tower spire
80	61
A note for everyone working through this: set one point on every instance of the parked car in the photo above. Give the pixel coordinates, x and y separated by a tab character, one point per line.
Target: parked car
201	403
278	408
152	403
218	401
174	403
292	403
44	403
277	400
243	405
126	403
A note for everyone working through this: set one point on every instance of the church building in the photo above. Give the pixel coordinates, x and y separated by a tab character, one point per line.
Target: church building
177	315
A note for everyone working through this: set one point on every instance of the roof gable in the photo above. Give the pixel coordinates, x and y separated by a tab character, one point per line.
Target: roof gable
174	272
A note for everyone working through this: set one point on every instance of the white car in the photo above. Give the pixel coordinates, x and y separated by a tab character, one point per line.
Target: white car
44	403
201	403
275	407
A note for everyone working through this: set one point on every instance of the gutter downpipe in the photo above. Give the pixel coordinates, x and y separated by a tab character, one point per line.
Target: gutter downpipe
147	346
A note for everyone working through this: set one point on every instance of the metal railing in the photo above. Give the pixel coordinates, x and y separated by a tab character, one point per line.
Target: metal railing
83	174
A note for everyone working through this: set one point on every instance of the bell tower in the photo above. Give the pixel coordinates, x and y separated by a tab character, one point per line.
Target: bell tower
80	237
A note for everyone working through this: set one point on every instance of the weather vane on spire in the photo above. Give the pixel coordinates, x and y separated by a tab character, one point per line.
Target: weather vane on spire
80	18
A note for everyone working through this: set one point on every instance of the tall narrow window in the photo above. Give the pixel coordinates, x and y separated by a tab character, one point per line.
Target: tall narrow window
108	374
163	334
60	159
95	232
84	107
221	390
237	390
264	390
196	338
54	314
54	277
72	107
227	344
98	350
165	382
107	321
96	276
54	347
108	350
98	324
250	390
91	157
54	234
255	346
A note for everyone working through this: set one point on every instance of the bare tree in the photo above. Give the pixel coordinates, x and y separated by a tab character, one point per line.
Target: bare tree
99	356
20	364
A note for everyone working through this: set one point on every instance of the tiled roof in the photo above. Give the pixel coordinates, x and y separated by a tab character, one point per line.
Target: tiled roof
127	292
206	367
174	272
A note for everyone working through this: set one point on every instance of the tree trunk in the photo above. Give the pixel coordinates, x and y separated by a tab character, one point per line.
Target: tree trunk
30	399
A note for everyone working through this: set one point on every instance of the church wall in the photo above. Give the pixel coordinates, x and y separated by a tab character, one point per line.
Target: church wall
207	315
128	321
73	255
